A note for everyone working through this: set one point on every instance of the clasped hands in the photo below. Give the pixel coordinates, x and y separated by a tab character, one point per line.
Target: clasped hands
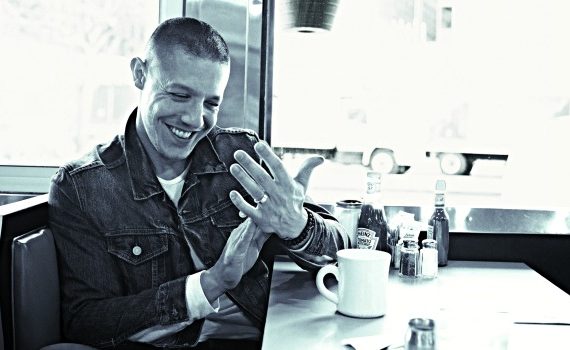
278	209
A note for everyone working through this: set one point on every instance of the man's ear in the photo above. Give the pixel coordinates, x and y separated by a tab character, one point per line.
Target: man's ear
138	71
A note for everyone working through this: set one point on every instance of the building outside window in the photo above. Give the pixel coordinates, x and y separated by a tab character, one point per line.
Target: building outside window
394	87
66	82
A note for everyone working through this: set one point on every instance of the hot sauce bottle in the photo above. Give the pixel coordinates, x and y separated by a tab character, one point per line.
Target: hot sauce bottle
372	232
438	224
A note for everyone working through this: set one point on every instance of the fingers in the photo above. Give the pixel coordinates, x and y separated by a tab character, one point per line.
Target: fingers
239	254
241	237
306	170
273	162
281	194
245	242
236	238
257	173
246	181
243	206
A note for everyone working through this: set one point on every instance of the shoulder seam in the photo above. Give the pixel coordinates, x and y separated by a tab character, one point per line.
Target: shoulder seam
232	130
71	170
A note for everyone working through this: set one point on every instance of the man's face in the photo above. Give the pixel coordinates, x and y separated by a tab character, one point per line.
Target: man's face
179	103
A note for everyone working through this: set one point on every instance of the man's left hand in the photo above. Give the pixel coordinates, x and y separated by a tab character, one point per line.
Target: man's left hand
279	197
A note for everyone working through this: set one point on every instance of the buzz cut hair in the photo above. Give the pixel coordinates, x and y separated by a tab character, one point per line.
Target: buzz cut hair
192	36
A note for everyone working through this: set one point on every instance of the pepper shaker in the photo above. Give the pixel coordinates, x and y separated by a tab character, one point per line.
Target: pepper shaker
409	259
420	334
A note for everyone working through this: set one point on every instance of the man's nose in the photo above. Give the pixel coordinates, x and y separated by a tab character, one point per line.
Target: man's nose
193	116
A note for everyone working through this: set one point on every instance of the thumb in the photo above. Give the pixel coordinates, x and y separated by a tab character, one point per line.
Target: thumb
306	170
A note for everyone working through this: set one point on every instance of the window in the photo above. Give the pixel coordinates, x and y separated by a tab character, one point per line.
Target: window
446	16
483	103
66	84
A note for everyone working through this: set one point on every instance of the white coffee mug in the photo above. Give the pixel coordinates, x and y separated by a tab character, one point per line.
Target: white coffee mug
362	277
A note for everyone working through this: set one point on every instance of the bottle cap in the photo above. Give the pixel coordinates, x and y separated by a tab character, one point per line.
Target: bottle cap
349	204
429	243
440	186
425	324
410	243
373	181
373	176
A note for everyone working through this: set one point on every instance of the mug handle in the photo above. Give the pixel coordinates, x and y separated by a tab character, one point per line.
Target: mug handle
325	270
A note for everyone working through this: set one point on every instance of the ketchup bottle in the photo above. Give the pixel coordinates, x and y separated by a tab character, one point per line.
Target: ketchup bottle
372	232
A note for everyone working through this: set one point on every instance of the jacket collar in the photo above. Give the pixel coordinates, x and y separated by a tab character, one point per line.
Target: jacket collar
144	184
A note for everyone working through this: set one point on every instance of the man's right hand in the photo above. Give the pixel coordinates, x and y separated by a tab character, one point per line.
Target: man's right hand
240	253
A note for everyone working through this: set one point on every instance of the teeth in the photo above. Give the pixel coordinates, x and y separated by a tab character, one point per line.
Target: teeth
180	133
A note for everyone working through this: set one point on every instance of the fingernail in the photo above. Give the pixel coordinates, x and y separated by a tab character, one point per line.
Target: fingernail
260	146
238	155
233	195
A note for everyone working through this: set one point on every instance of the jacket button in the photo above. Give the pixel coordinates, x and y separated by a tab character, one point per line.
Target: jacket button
137	250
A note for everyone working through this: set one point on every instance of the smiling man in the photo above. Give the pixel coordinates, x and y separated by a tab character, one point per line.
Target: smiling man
159	231
179	99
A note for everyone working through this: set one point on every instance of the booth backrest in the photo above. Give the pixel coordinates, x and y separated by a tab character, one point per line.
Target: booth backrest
35	291
16	219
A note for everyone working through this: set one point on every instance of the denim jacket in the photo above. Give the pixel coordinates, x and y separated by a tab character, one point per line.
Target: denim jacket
123	246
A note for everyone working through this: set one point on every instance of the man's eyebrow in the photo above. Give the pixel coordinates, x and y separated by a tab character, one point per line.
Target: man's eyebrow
179	86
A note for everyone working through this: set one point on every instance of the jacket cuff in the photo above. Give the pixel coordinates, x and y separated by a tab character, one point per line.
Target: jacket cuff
171	302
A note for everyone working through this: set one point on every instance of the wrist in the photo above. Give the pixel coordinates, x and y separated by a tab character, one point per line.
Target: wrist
211	286
305	232
297	226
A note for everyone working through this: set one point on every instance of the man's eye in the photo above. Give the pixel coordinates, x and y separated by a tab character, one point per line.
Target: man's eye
212	104
179	95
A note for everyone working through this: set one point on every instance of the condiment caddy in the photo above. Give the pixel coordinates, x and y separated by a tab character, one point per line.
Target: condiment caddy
411	256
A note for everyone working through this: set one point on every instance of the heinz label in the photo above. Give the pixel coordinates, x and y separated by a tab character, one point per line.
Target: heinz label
366	239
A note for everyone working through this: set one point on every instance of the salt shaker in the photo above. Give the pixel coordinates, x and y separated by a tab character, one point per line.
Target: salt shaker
397	253
409	259
347	212
428	258
420	334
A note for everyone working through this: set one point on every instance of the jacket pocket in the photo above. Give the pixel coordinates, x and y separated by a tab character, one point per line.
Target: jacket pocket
137	246
209	236
225	221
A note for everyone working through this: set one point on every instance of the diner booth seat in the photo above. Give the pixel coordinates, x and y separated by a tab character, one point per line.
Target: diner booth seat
35	293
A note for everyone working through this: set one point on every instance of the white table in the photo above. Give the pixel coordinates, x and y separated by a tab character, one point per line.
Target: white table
476	305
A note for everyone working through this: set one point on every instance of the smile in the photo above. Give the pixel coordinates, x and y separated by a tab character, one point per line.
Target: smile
180	133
